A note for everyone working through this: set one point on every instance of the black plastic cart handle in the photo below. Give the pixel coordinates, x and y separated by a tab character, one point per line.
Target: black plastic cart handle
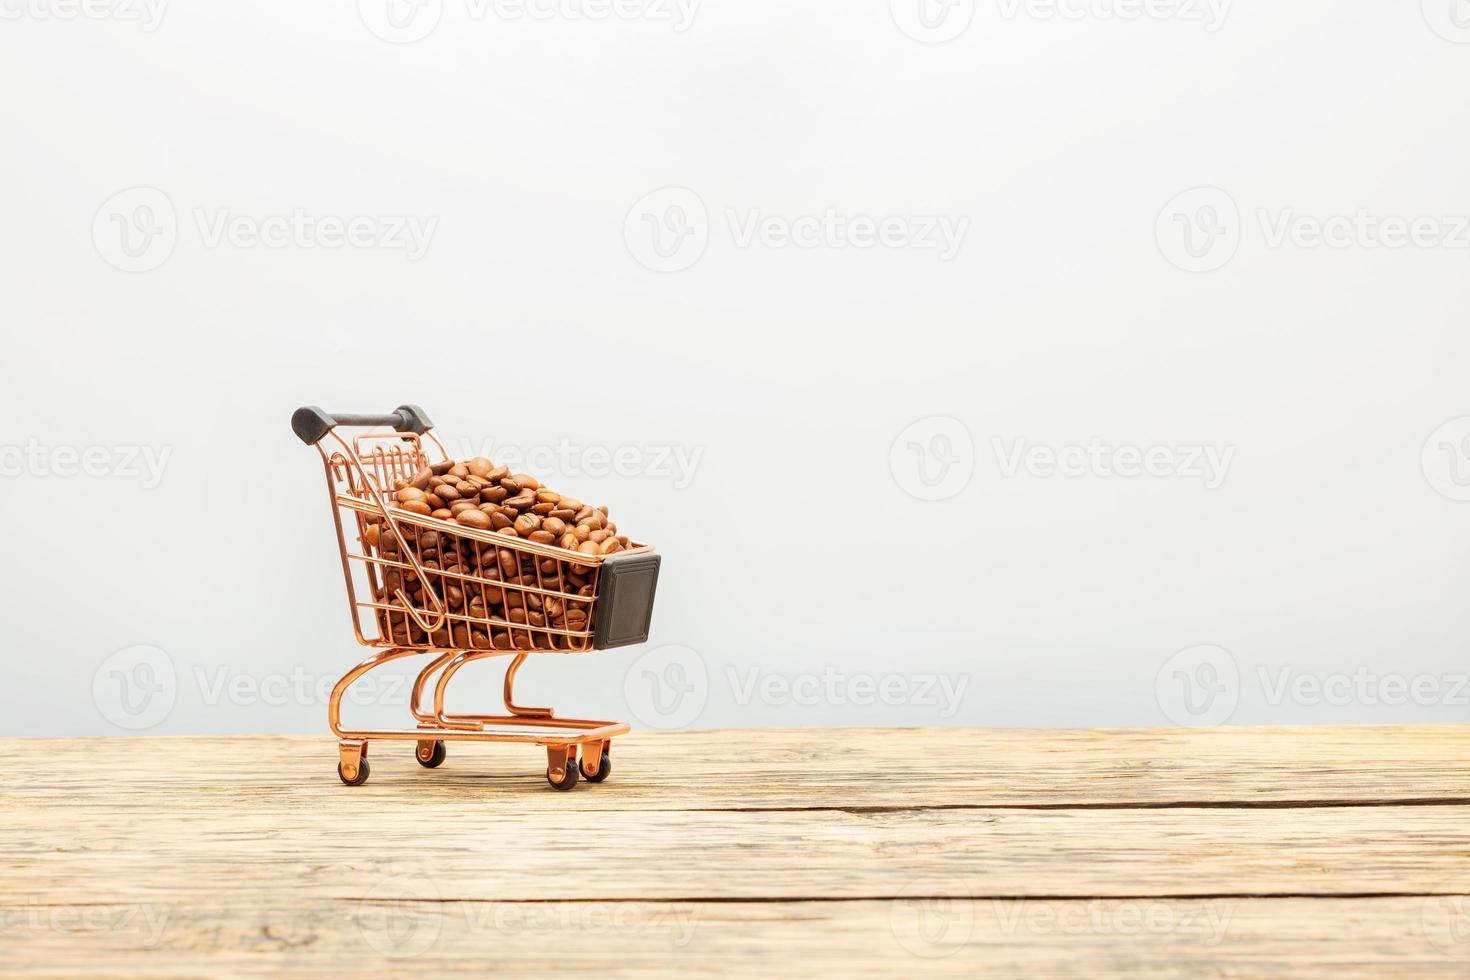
311	424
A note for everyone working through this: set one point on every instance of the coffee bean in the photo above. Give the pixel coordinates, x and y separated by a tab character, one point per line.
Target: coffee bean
472	517
524	500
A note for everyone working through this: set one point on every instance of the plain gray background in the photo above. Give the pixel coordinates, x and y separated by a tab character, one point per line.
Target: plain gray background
606	199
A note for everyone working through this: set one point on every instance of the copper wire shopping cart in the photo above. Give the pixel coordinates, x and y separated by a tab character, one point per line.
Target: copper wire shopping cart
418	585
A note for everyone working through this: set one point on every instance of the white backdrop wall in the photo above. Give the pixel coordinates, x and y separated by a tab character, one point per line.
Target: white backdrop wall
971	364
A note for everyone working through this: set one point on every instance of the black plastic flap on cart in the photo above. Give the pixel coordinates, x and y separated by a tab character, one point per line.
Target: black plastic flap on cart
625	590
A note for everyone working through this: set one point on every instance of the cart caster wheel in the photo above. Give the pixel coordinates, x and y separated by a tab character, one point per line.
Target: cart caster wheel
431	754
604	770
567	781
362	774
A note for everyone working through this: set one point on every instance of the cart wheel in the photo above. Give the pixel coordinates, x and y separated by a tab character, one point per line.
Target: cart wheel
431	754
567	781
362	774
604	769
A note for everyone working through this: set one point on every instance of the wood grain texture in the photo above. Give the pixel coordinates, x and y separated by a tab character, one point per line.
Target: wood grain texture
1262	852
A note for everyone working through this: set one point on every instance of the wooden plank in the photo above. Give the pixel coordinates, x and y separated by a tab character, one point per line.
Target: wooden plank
853	768
1106	938
350	841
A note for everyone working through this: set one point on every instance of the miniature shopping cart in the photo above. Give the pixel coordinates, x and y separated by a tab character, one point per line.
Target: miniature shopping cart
418	585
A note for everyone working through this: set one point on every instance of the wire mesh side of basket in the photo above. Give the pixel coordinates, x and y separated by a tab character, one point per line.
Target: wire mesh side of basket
434	584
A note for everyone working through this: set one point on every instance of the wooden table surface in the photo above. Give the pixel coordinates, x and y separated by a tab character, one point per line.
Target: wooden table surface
1266	852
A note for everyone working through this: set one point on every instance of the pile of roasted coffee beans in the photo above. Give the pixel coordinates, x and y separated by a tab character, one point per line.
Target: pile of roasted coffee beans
481	495
476	582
